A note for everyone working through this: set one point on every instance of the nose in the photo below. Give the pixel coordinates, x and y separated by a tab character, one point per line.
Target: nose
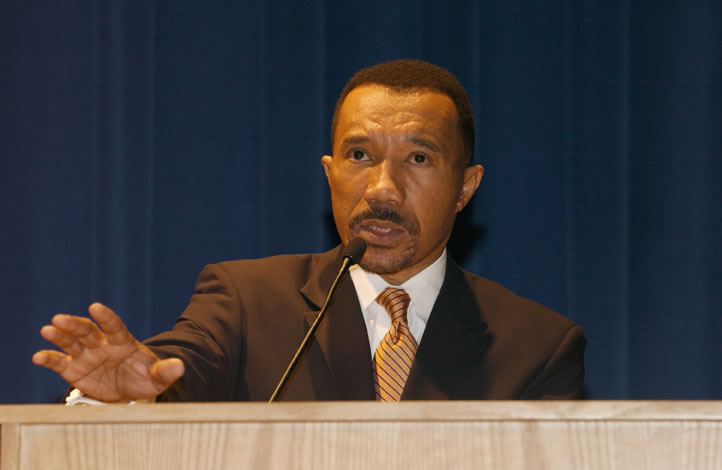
384	185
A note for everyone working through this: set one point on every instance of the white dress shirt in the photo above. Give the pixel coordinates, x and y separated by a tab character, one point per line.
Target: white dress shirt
423	288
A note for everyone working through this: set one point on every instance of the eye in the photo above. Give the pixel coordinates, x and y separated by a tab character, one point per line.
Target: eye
419	158
358	155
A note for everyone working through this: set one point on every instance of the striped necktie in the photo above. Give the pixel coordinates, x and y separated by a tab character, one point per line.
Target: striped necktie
395	354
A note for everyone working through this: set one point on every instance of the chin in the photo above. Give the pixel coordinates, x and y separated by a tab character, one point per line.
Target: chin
381	260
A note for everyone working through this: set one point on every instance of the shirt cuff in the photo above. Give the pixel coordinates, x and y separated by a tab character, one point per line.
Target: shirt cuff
76	397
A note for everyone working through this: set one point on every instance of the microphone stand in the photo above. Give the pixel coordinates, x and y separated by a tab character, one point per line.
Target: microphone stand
354	251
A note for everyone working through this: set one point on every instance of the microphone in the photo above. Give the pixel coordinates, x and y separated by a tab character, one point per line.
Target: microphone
351	255
354	251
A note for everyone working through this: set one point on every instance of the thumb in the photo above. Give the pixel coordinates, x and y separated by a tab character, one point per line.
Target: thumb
167	371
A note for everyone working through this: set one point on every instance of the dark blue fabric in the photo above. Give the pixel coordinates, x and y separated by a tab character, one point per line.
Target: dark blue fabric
140	140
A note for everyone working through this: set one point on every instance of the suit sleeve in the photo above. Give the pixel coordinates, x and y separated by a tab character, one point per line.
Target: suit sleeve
207	337
562	377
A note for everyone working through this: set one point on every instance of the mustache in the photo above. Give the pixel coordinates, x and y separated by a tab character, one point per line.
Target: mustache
384	213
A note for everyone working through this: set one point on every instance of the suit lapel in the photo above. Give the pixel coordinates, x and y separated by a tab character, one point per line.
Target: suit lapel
342	335
454	340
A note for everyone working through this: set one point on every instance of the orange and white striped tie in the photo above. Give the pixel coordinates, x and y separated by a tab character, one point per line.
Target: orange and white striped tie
395	354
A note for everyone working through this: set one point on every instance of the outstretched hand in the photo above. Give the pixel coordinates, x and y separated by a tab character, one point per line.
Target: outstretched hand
105	361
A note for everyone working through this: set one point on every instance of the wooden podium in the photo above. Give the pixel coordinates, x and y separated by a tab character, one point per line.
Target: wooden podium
360	435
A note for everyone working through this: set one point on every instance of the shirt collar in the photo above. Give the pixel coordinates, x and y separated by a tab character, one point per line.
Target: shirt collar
423	287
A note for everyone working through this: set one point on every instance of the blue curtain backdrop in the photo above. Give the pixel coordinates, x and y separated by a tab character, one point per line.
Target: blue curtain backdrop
140	140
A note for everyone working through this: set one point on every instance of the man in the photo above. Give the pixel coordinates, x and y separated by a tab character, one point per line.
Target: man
402	139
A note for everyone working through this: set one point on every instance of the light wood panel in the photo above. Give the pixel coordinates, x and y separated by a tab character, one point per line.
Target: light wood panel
419	435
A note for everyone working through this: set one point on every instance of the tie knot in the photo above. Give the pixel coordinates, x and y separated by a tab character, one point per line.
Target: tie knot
396	302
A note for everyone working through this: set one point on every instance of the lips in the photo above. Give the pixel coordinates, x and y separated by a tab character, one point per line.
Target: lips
375	228
380	232
382	226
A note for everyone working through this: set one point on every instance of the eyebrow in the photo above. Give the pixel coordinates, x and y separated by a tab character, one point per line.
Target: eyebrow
356	139
421	142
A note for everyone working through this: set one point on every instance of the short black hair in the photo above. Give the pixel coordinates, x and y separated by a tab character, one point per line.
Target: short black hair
412	74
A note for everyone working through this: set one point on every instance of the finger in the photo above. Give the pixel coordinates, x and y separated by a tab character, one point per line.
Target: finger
53	360
167	371
82	329
111	324
68	343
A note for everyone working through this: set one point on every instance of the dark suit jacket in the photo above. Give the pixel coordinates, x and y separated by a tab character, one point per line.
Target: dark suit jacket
247	318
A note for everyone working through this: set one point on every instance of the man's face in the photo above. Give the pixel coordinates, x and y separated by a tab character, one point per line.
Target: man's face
397	177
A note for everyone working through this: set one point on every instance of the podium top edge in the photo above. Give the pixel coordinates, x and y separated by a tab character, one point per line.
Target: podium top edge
412	411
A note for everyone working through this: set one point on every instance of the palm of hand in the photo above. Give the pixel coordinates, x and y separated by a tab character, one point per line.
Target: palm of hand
114	372
105	361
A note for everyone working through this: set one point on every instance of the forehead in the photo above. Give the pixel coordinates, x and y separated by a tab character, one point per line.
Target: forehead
376	107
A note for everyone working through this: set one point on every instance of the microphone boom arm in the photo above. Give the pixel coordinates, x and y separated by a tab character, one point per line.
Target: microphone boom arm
354	252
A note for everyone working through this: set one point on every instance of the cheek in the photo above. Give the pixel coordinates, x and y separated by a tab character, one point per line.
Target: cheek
435	209
344	202
339	198
346	192
434	224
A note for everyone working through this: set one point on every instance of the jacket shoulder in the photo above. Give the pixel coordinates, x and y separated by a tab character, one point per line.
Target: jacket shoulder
500	304
270	268
273	271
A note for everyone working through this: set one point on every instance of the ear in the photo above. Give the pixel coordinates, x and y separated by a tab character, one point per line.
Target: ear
472	178
326	162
